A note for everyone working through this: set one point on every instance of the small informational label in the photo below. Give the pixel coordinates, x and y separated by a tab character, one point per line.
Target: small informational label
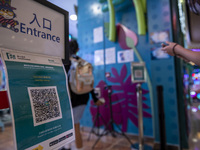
98	57
110	55
98	34
125	56
138	72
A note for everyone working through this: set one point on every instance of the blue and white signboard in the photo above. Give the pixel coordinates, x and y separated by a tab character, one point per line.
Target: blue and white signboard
30	26
39	100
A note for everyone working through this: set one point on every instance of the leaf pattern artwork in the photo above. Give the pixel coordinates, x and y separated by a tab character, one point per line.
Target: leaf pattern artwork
124	101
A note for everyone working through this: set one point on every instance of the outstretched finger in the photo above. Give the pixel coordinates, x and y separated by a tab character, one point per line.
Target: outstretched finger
167	42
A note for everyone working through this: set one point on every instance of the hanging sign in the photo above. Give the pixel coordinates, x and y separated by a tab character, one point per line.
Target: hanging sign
39	100
32	26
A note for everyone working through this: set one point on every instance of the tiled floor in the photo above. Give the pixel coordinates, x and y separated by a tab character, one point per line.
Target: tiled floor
6	139
106	142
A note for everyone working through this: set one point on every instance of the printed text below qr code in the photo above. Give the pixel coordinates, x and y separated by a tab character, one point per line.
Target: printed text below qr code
45	104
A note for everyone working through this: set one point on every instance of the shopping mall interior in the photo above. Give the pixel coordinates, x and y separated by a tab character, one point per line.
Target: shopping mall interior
150	99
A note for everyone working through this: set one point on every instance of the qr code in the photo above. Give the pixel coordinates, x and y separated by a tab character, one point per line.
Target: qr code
138	73
45	104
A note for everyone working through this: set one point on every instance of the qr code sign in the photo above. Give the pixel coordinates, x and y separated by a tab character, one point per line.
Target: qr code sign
45	104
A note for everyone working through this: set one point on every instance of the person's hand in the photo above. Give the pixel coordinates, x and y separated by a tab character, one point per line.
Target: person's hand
168	48
98	103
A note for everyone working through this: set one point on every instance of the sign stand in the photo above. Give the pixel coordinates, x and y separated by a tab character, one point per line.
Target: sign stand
140	116
138	75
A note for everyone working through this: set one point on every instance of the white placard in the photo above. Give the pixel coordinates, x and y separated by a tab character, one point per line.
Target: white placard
98	57
110	55
125	56
33	27
46	117
98	34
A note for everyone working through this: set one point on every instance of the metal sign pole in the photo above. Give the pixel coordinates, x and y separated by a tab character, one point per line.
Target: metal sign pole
138	75
140	116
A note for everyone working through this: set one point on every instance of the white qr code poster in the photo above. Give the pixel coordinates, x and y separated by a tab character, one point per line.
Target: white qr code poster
39	100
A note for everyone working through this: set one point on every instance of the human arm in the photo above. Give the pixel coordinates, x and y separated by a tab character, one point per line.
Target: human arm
179	51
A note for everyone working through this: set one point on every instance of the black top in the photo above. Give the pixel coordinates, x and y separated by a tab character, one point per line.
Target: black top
79	99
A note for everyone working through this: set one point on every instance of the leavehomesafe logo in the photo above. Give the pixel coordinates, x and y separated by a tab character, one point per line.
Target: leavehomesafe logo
10	56
7	20
14	57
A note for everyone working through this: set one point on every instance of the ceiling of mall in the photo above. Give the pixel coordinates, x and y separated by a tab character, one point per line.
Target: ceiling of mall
68	5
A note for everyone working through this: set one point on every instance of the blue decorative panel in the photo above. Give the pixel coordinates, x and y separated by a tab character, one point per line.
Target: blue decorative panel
161	71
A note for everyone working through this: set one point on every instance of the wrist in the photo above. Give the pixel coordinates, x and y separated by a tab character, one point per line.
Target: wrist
173	49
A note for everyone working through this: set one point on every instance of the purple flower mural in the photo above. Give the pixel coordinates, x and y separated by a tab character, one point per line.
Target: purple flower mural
124	101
